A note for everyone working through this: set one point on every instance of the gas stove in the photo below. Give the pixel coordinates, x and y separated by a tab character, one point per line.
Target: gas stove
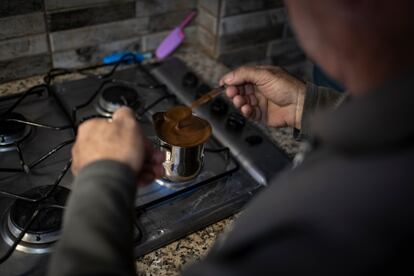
38	127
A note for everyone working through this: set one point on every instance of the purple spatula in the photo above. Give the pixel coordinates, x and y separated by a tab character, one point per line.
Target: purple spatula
174	39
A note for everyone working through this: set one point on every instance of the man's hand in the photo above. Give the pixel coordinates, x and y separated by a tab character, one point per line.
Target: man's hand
120	139
267	94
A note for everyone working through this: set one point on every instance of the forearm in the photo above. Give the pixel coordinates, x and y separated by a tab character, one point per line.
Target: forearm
97	233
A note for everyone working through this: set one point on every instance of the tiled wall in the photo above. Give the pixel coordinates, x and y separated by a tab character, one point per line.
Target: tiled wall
243	31
82	34
36	35
23	39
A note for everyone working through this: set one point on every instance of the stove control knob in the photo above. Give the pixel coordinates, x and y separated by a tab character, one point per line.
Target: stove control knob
254	140
190	80
219	107
236	121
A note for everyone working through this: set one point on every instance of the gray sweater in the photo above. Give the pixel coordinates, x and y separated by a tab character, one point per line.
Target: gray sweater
346	210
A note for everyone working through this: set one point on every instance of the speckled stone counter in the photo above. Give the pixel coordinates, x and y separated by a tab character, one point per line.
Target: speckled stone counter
170	259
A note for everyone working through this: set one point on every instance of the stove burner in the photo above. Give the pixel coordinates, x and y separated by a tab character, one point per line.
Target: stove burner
115	96
12	132
45	229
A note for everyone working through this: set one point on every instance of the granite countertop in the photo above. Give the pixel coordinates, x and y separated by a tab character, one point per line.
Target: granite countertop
170	259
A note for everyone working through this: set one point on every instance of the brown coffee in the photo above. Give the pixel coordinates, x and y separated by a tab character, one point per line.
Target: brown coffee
179	127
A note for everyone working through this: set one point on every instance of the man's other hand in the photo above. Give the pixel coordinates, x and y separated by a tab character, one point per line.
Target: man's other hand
119	139
267	94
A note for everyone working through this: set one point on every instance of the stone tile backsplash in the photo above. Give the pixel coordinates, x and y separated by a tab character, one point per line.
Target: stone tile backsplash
38	35
16	7
248	31
81	17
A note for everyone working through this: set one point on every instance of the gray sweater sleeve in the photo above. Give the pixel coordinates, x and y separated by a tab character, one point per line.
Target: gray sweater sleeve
97	235
318	98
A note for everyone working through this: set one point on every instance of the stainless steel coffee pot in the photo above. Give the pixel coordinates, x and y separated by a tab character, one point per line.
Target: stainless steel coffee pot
181	163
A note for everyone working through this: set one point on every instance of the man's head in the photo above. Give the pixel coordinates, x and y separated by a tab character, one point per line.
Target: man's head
356	39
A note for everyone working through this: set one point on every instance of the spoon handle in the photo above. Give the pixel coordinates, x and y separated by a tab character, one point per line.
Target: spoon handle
207	97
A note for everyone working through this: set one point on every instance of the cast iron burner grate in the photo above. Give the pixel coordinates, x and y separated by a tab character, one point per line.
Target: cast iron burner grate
33	229
32	222
12	131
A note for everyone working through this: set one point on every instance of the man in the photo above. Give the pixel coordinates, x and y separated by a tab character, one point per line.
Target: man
346	210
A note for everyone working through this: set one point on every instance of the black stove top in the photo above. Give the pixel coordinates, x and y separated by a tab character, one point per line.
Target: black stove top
37	129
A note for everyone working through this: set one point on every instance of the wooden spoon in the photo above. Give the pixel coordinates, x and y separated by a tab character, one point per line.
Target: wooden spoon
177	115
207	97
